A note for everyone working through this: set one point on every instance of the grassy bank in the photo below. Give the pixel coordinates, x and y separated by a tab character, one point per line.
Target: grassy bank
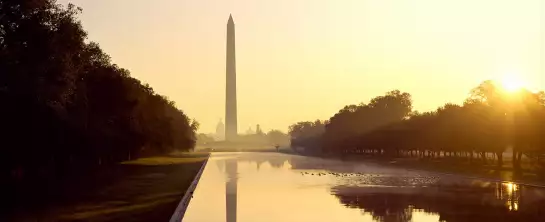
146	189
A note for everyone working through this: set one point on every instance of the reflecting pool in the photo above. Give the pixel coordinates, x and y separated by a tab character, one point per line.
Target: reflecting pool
249	187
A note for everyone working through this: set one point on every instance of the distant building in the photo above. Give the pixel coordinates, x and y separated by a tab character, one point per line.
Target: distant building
220	131
258	130
250	131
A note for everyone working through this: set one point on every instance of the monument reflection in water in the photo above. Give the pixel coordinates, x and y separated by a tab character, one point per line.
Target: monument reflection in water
231	169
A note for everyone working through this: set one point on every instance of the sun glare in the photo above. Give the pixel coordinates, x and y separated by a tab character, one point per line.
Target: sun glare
512	83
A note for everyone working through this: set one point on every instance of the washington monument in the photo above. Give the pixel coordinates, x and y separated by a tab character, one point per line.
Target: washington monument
231	85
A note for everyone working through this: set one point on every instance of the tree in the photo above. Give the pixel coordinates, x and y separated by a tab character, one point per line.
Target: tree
277	137
489	121
307	134
204	139
64	102
353	121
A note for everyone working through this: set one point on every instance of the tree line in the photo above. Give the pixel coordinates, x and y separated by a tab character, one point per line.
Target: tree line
490	121
273	137
65	105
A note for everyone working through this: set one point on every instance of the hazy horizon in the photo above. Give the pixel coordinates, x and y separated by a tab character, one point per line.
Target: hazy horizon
305	60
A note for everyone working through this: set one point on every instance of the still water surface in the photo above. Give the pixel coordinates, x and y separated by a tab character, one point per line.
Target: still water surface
249	187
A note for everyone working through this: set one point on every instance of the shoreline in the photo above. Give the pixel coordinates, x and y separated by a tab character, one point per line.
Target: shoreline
447	167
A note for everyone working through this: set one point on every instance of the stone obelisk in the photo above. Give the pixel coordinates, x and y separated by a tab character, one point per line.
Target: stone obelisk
231	85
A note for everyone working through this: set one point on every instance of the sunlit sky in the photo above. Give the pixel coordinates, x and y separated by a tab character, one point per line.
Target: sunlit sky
306	59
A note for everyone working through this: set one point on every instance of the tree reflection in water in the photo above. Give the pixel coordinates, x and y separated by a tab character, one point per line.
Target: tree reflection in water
393	194
277	162
475	202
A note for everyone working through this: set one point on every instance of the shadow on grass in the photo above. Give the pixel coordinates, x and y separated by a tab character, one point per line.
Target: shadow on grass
146	189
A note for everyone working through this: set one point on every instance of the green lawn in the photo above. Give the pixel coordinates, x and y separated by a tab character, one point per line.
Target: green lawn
146	189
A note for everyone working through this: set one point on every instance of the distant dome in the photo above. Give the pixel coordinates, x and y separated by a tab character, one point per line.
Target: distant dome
220	131
220	124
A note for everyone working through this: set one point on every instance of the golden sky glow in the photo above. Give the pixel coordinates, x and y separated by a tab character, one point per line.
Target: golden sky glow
306	59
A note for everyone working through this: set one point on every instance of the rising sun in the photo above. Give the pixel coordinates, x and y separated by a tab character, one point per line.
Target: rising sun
512	83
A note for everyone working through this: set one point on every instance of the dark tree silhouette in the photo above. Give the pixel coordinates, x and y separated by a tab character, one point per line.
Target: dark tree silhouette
278	137
355	120
65	106
307	134
490	121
